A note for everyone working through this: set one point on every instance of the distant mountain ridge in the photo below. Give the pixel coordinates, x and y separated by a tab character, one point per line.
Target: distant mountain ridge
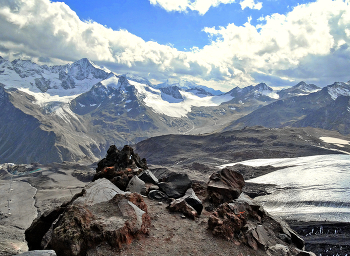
81	109
325	108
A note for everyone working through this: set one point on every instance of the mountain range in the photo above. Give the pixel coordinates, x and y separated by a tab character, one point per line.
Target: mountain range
75	111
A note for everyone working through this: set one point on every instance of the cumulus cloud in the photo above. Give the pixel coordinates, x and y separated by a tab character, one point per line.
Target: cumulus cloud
310	43
201	6
250	4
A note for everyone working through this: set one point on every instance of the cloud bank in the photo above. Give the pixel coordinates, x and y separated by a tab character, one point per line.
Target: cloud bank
201	6
309	43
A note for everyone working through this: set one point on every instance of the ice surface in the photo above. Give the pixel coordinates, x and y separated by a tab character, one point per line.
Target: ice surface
314	188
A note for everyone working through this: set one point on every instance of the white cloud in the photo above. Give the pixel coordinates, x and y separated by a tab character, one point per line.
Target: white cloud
309	43
202	6
250	4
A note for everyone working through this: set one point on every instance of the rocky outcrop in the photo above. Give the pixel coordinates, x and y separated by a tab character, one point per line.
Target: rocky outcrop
225	185
101	215
244	222
175	185
120	166
121	159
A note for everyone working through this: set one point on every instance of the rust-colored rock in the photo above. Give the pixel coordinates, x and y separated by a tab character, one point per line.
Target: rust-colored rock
244	222
84	227
224	186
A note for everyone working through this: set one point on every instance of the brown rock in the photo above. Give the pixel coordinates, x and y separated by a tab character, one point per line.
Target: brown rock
224	186
84	227
242	221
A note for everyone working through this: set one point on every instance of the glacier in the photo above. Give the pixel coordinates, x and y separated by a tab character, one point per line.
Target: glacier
312	188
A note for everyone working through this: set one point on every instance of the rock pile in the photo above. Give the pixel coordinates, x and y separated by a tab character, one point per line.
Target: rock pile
238	219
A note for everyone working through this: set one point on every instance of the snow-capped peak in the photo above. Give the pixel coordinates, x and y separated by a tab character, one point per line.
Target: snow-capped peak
339	88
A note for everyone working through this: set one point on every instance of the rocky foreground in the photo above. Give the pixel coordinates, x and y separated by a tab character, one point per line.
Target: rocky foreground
129	210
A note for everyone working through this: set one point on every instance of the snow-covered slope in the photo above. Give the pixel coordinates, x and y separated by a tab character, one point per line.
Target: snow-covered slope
339	89
260	91
189	86
299	89
56	81
161	103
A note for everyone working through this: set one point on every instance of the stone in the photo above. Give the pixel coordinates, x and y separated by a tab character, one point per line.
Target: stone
38	253
153	187
189	205
158	195
175	185
180	205
136	185
41	225
244	222
224	186
101	190
82	228
101	214
148	177
278	249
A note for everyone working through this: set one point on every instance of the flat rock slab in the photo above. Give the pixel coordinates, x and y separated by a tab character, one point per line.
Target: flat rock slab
101	190
21	207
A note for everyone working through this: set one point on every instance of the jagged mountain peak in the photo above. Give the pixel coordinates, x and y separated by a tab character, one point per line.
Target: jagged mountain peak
262	87
337	89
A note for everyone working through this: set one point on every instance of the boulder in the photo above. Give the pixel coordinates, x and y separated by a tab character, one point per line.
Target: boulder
243	221
82	228
175	185
136	185
224	186
38	253
148	177
41	225
101	214
189	204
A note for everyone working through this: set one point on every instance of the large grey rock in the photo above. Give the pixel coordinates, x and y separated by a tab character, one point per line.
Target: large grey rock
136	185
100	190
148	177
175	185
38	253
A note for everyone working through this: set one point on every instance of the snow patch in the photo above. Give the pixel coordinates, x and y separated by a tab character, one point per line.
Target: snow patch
335	141
153	99
335	92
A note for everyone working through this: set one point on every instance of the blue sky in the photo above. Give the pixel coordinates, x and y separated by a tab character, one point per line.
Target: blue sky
217	43
183	30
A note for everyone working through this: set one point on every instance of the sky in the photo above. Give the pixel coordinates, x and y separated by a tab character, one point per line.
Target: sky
218	43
